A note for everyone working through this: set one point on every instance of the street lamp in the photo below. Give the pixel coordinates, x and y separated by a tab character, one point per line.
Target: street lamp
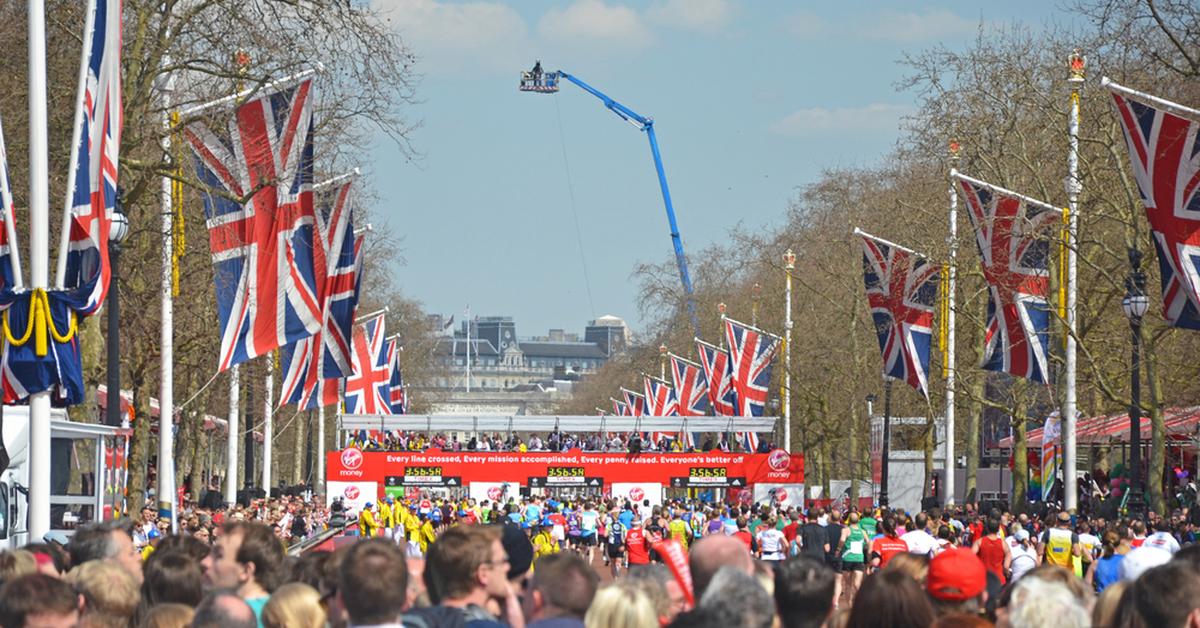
662	361
118	231
755	296
871	399
886	450
1135	305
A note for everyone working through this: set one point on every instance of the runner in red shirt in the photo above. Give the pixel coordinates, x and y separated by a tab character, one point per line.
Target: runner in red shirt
993	551
789	531
888	545
635	544
744	535
1139	533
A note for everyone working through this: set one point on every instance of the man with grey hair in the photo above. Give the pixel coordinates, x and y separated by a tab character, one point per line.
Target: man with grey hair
738	599
112	541
1038	603
224	609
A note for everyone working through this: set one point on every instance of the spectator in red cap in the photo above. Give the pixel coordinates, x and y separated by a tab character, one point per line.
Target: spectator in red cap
957	582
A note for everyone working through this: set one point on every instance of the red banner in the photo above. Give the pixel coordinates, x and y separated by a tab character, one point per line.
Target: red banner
546	469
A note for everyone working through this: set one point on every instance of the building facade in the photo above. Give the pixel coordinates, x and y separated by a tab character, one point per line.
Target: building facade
500	360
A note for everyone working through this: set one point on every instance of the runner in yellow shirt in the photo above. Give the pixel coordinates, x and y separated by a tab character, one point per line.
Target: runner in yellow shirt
427	535
679	529
544	543
366	521
412	531
1059	545
387	519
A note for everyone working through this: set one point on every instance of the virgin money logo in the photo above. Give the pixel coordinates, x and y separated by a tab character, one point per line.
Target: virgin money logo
781	495
351	492
637	494
779	460
352	458
495	493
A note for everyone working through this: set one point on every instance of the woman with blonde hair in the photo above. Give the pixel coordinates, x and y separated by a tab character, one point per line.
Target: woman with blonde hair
16	563
294	605
169	615
621	605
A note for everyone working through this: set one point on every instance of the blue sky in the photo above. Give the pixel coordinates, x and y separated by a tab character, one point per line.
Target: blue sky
751	99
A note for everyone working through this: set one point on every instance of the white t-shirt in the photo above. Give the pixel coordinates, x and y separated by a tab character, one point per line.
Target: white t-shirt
1090	542
1163	541
920	542
771	542
1023	559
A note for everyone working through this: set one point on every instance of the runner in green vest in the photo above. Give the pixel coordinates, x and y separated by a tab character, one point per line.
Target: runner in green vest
854	555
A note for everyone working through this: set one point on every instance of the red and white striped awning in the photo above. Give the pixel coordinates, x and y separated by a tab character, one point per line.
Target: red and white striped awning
1180	423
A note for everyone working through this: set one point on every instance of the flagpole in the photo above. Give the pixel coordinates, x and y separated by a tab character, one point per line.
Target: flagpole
955	174
789	264
268	424
1074	187
265	89
468	348
231	453
341	408
949	465
721	332
39	266
166	393
320	479
1173	107
336	180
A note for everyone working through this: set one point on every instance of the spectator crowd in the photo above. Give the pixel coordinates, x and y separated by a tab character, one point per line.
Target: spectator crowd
556	441
546	563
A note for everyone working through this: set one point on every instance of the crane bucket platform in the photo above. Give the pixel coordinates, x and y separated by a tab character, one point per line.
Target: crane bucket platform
539	82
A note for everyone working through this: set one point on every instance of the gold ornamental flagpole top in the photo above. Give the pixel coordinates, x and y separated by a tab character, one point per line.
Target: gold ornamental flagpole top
954	149
789	260
1077	64
721	308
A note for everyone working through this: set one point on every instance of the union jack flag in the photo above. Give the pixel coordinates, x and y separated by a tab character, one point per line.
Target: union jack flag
94	181
9	255
1164	151
660	397
368	389
691	388
305	380
619	408
902	289
9	262
1015	253
269	288
750	354
635	404
718	372
398	397
340	256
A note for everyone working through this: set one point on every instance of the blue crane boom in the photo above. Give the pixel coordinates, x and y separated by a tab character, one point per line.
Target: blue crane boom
547	83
